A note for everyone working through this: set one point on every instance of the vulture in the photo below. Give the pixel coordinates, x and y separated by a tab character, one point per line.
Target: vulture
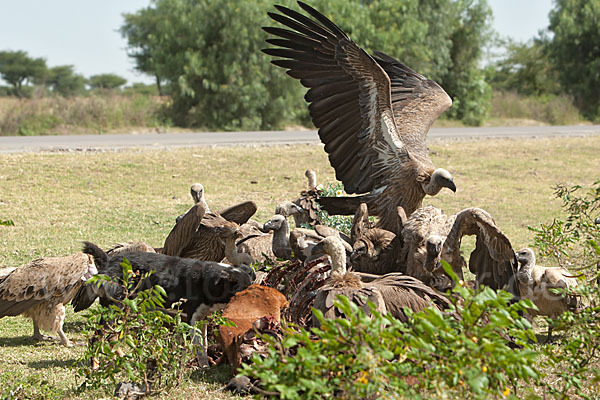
197	192
372	114
342	282
39	290
206	286
397	290
535	282
271	246
203	235
308	202
430	236
375	250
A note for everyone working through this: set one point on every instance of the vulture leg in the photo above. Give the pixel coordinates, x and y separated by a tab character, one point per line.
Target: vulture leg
37	335
63	338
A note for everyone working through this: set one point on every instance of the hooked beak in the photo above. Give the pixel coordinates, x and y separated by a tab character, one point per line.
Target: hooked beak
318	250
450	185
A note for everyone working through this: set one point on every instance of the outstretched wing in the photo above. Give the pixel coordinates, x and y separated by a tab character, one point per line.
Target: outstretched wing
240	213
416	101
349	94
45	279
493	260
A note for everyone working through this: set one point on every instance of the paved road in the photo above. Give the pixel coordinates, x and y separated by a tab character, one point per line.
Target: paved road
15	144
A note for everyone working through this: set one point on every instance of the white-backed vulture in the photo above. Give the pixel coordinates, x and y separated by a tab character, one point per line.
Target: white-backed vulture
302	240
271	244
202	235
39	290
342	282
373	115
397	290
307	201
535	282
375	250
430	236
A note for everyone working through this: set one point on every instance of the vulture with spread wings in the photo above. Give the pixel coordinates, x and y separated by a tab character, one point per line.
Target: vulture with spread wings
430	236
373	114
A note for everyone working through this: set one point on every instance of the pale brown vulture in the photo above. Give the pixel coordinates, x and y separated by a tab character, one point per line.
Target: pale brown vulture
397	290
430	236
373	115
535	282
39	290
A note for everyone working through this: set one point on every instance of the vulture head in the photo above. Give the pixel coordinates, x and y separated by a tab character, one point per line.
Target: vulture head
332	246
197	192
597	221
275	223
312	178
440	179
287	208
526	259
433	248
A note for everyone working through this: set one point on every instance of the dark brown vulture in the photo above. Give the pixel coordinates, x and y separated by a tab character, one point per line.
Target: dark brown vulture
39	290
429	236
307	201
373	115
397	290
375	250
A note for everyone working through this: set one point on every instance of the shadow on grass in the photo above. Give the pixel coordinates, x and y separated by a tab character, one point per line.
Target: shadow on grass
52	363
17	341
73	326
217	375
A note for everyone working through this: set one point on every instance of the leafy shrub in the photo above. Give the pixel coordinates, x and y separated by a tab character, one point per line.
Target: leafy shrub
550	109
574	243
135	342
463	353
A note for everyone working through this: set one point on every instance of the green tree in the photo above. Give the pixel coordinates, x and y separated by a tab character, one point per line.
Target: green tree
575	50
526	68
106	81
211	56
143	43
64	81
17	68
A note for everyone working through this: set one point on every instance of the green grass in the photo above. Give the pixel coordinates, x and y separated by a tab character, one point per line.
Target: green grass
58	200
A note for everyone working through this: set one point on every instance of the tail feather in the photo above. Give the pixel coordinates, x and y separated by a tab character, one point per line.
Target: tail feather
100	257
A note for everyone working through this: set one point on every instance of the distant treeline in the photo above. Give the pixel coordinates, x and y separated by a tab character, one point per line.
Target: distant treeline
205	55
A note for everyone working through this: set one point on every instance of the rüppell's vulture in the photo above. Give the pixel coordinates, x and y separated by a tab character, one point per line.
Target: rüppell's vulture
430	236
39	290
373	114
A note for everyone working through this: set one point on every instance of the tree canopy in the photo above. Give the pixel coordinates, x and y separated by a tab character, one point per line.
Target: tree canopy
575	51
106	81
17	68
209	54
64	81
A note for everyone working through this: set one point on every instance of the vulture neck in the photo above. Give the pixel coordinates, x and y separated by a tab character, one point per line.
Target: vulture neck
281	236
338	260
312	179
232	254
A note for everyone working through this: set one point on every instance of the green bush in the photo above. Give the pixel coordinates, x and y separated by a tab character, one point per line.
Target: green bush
462	353
573	242
132	341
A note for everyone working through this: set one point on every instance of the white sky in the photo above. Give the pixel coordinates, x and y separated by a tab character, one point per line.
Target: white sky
84	33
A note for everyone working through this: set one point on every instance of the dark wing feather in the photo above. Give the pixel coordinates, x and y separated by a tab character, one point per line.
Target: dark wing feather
240	213
416	101
401	291
492	261
349	95
184	230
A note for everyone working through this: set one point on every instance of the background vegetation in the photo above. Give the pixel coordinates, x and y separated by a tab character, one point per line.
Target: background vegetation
206	61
